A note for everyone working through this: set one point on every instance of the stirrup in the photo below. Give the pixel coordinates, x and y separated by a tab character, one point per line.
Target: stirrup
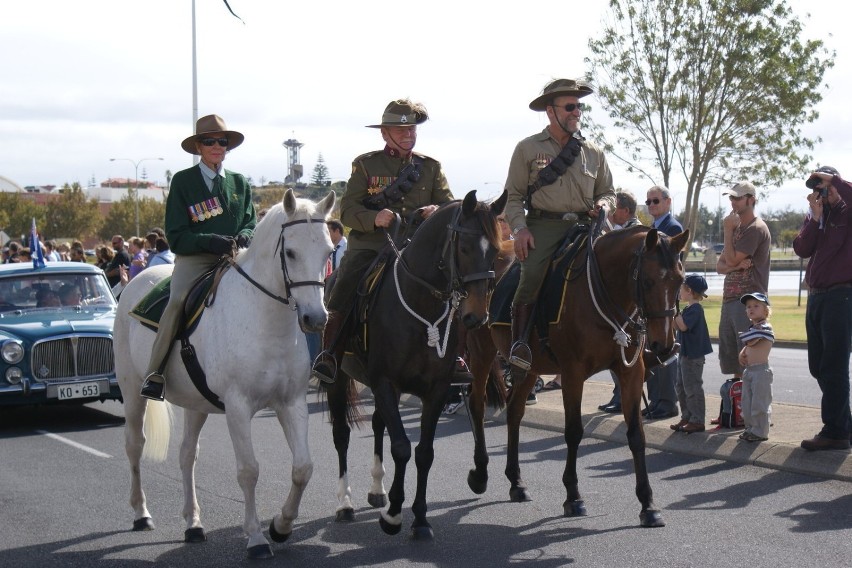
324	368
461	373
153	390
515	358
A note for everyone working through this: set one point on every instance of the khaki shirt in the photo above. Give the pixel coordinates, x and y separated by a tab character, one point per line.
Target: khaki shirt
587	182
371	173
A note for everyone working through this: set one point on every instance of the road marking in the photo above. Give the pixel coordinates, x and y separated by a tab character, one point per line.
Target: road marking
74	444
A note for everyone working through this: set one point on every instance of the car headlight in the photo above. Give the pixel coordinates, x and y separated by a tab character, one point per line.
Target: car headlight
12	351
13	375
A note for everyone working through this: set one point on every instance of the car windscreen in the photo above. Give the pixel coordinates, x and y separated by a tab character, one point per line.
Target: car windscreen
53	290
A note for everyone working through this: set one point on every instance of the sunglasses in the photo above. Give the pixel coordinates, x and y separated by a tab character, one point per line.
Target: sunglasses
571	107
210	141
737	197
655	201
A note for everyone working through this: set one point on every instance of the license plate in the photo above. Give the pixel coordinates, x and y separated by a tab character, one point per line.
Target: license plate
78	390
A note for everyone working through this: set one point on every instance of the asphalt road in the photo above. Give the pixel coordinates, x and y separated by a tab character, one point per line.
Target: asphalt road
64	491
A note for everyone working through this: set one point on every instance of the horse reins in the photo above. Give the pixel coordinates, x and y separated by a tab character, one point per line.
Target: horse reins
288	282
455	287
638	318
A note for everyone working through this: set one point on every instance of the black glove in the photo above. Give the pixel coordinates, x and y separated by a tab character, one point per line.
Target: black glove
243	241
221	245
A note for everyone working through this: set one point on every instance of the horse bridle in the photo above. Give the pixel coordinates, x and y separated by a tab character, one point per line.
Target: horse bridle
639	317
289	284
455	288
455	282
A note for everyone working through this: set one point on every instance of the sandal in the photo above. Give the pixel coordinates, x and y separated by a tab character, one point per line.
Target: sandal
551	385
749	437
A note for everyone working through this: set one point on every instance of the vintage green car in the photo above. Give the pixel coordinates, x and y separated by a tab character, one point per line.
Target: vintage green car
56	334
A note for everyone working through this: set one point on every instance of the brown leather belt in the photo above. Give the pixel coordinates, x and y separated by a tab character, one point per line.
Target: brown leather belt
815	291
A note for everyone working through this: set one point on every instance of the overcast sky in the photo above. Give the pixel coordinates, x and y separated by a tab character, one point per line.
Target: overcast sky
83	82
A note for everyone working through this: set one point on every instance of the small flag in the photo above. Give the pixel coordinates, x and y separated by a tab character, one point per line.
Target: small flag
35	248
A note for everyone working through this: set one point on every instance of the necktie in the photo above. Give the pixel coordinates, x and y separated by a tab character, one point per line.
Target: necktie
334	257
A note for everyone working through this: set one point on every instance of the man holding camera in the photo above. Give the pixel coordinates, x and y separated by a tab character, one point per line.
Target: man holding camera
826	240
384	183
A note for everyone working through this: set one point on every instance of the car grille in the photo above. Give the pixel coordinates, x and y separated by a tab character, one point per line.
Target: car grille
72	357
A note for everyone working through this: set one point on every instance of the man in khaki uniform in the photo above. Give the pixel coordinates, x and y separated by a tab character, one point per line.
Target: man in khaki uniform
394	180
561	179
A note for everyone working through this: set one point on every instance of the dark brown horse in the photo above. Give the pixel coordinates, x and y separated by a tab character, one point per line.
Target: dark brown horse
439	281
627	289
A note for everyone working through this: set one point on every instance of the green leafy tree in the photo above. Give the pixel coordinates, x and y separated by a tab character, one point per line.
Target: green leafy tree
17	212
72	215
713	90
121	219
320	174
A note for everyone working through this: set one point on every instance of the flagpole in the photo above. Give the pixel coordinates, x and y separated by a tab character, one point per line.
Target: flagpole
194	83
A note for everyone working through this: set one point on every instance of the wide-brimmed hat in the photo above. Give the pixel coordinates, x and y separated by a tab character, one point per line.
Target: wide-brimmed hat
402	112
560	88
741	189
759	296
211	124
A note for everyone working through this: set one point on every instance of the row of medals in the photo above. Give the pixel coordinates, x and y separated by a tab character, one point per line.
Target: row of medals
205	210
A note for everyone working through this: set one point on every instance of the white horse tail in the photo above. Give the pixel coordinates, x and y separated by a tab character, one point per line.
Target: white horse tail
158	430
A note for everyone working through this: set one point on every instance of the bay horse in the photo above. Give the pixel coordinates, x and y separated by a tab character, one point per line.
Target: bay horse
251	344
441	279
617	314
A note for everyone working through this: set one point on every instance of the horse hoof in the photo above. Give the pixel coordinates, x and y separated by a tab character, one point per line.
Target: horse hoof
345	516
574	509
195	534
651	518
259	552
275	535
477	483
422	534
389	528
377	500
143	524
519	495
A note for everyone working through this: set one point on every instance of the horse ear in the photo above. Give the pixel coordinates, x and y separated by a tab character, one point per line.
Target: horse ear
651	239
327	204
678	242
500	204
469	203
289	202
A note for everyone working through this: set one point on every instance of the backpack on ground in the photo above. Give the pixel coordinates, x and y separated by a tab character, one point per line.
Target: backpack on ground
731	412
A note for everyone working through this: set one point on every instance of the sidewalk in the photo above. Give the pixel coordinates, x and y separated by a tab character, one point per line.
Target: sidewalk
792	424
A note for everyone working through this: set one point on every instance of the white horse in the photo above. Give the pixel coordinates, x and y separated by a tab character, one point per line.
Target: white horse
251	345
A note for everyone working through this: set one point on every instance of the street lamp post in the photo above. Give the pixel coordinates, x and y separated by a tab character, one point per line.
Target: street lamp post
136	182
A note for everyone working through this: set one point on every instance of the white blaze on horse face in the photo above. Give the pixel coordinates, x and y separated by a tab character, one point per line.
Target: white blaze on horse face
484	244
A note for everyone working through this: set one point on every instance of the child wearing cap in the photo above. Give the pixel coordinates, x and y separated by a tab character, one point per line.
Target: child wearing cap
757	376
694	339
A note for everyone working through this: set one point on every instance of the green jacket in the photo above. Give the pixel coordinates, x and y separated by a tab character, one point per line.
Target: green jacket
188	225
372	172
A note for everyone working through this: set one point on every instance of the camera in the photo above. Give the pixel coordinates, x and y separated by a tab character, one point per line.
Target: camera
813	182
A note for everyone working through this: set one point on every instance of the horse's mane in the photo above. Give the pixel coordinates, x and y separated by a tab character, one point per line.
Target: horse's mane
614	238
487	220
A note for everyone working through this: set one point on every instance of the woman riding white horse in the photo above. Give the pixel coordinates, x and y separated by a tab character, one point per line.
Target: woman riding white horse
251	345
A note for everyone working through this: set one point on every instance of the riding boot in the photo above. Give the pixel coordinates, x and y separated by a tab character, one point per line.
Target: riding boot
154	386
520	356
328	361
461	372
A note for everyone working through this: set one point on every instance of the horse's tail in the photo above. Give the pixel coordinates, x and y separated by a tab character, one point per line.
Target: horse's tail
354	416
157	428
495	389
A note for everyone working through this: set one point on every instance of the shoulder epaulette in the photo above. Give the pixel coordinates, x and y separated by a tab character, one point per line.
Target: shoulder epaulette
367	155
